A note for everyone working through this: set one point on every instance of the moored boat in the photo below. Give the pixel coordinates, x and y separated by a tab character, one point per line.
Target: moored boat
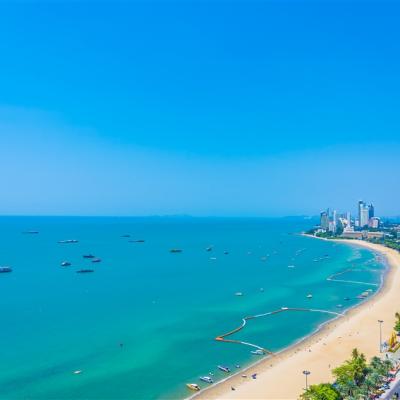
206	379
193	386
223	368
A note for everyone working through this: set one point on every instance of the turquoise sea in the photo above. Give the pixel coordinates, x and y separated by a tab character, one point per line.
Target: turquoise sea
143	324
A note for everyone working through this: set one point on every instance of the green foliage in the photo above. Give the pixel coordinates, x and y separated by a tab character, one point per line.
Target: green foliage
323	391
397	324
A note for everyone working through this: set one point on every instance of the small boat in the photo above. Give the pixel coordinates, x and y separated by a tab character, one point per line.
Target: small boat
5	269
137	241
223	368
238	294
84	271
206	379
68	241
31	232
339	306
77	372
193	386
226	252
88	256
65	264
257	352
291	266
347	298
175	251
213	258
96	260
125	236
309	296
284	308
209	248
237	366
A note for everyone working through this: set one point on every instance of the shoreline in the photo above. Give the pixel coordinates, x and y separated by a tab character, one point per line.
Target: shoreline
323	349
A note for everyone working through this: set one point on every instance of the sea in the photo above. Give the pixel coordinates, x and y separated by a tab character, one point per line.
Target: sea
144	323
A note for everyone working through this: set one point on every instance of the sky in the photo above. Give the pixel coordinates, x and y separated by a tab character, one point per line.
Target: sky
222	108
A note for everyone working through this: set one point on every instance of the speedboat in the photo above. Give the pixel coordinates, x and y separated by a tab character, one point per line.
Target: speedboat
88	256
258	352
5	269
206	379
65	264
193	386
84	271
223	368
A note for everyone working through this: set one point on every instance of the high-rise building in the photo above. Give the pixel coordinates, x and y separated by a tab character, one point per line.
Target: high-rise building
374	222
324	220
348	217
371	212
363	214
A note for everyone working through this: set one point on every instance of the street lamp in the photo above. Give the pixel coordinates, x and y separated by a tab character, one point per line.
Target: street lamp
306	373
380	335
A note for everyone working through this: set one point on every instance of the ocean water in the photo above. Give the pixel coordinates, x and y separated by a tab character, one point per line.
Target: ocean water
143	324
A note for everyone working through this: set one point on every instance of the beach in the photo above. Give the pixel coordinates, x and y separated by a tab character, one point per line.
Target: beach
281	377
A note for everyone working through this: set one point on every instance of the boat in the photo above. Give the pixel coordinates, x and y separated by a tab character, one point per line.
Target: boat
209	248
261	289
238	294
347	298
226	252
31	232
339	306
213	258
223	368
136	241
175	251
5	269
258	352
96	260
88	256
206	379
68	241
291	266
77	372
309	296
125	236
193	386
65	264
284	308
84	271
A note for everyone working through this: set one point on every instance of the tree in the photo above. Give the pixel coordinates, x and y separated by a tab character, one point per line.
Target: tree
351	374
323	391
397	324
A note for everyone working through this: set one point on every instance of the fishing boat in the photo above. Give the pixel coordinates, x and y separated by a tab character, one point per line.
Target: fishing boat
193	386
5	269
84	271
206	379
258	352
65	264
223	368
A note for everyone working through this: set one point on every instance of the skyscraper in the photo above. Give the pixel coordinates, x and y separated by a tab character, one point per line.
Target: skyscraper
371	212
363	214
324	220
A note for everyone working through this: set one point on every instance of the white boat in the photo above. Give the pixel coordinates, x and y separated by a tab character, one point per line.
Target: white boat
309	296
206	379
257	352
238	294
77	372
291	266
284	308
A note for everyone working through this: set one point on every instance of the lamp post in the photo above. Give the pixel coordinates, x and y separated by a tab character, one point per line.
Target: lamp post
306	373
380	335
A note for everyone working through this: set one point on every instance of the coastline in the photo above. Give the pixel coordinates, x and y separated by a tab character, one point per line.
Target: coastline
324	349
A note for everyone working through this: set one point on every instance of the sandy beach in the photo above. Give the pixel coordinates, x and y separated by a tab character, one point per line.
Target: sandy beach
280	377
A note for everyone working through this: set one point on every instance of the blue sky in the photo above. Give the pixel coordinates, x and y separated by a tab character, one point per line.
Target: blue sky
202	108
